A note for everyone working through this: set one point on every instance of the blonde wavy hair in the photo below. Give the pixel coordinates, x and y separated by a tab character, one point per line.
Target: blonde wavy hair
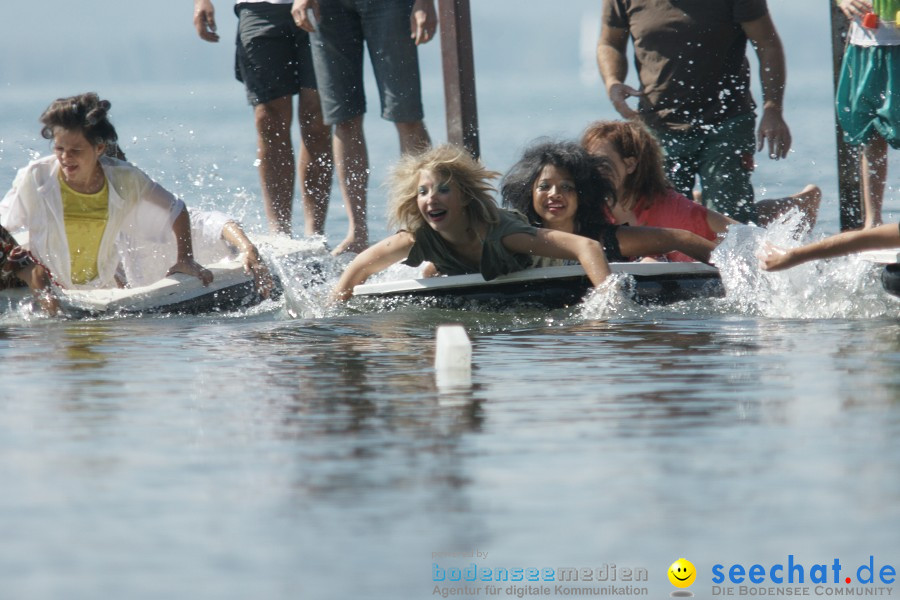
449	164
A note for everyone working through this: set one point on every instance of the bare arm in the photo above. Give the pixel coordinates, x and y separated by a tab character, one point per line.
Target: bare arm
849	242
557	244
205	20
37	279
773	76
373	259
423	21
185	262
651	241
718	222
235	236
613	66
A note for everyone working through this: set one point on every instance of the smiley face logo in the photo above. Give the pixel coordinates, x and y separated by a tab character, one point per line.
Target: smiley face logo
682	573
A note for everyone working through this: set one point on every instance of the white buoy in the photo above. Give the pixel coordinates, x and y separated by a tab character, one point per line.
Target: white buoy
453	357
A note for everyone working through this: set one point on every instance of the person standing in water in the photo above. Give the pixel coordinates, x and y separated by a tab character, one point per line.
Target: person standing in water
695	90
391	30
274	62
868	108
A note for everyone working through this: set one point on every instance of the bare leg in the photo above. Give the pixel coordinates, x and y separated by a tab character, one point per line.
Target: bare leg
315	165
807	202
413	137
276	161
873	168
352	162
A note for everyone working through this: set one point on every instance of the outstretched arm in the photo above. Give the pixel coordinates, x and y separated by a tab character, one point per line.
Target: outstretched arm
614	68
185	262
373	259
773	75
849	242
557	244
205	20
652	241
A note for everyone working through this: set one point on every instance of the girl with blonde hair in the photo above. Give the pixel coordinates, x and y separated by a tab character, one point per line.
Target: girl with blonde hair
442	202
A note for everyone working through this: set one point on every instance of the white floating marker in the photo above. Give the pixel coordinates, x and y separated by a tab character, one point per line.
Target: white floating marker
453	357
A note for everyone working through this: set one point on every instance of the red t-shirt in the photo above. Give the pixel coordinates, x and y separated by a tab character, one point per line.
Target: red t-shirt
675	211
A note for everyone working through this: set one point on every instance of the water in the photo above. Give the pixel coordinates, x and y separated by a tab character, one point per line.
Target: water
298	451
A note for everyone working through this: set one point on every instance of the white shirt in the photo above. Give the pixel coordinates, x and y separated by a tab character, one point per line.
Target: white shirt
140	212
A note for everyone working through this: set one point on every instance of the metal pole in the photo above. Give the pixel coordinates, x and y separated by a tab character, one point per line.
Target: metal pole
459	74
847	156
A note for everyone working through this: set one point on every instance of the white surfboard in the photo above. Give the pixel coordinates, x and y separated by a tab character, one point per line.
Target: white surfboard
230	289
655	282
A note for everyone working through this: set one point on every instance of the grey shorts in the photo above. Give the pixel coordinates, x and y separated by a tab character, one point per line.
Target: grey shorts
272	56
338	56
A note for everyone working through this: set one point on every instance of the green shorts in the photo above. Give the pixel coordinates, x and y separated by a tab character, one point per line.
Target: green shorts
721	156
867	88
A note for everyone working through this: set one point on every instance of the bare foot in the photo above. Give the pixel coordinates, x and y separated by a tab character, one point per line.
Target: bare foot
807	201
350	245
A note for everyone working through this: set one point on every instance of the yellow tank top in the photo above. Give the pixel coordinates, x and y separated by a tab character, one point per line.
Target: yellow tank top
85	217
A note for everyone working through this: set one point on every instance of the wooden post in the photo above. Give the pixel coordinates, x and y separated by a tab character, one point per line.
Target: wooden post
459	74
849	184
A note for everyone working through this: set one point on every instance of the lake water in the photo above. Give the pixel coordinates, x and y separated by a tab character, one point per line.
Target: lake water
293	451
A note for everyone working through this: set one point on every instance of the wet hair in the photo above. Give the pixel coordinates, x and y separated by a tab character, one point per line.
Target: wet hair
632	140
86	113
449	164
589	173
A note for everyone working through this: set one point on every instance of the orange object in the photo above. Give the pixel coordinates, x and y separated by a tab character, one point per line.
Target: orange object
870	21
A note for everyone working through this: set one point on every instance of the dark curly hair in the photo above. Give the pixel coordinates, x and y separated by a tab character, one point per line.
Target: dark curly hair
86	113
589	173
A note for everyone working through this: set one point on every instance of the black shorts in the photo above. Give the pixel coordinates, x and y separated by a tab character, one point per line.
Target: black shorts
272	57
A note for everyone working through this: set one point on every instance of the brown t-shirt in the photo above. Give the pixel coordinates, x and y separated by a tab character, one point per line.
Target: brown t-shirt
690	56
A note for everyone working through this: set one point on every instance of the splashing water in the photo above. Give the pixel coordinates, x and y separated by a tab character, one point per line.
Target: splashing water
306	277
613	298
847	287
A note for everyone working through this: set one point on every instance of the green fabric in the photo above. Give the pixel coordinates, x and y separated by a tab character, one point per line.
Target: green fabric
719	156
495	258
868	92
886	9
